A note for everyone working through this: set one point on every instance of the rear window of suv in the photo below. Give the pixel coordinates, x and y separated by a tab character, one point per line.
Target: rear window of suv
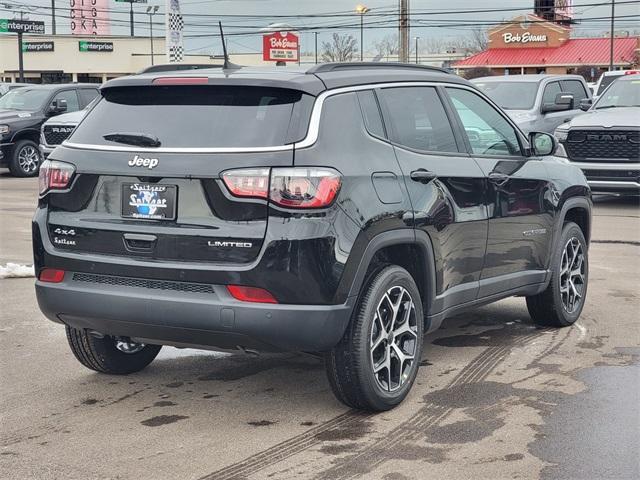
201	116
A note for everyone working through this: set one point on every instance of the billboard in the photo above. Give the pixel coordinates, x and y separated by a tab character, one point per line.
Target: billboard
564	8
553	9
89	17
280	47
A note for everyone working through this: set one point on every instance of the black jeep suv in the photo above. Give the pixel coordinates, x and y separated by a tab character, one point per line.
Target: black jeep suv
347	209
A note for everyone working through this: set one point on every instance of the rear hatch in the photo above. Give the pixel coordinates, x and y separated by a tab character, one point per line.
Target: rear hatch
148	163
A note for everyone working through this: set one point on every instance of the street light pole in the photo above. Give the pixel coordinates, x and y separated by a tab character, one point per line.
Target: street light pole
53	17
612	40
417	38
361	10
131	16
316	41
151	11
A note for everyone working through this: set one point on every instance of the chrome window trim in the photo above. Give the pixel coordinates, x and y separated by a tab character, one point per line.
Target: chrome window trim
310	139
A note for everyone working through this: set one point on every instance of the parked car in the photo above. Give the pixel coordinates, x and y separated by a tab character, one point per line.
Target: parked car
22	113
605	142
342	209
537	102
57	129
607	78
6	86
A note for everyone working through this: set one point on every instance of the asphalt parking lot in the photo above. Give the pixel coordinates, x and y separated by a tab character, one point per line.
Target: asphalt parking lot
496	397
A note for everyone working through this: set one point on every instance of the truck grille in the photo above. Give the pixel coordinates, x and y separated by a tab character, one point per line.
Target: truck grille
597	145
142	283
613	175
56	134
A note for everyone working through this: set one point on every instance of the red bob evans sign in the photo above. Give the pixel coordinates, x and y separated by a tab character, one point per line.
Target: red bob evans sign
280	47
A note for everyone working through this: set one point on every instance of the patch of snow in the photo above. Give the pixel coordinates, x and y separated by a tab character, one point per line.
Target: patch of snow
15	270
172	352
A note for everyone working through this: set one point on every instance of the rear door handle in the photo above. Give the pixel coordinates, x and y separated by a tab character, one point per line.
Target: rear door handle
423	176
498	178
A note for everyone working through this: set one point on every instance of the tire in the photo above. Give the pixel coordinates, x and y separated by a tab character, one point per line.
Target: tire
350	364
102	355
25	159
559	305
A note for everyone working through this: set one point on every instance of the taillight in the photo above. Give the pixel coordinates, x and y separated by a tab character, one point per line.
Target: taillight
55	175
286	187
248	182
51	275
251	294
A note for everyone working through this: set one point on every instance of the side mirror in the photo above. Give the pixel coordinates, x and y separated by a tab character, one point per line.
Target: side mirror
542	144
563	102
585	104
58	106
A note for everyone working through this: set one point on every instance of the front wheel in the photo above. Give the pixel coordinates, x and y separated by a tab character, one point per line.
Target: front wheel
25	159
107	354
561	303
376	362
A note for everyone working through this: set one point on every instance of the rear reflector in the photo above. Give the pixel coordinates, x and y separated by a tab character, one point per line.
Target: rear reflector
181	81
250	294
51	275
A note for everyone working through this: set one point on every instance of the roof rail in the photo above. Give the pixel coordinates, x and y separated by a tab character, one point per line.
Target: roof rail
332	67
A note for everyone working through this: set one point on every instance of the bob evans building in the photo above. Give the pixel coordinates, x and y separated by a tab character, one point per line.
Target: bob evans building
75	58
531	45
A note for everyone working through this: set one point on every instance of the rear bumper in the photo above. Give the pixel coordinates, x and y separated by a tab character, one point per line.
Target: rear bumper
209	319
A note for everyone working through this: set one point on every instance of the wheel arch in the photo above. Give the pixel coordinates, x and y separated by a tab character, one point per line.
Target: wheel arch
27	134
407	248
577	210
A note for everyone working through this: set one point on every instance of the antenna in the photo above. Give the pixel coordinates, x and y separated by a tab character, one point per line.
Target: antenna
224	47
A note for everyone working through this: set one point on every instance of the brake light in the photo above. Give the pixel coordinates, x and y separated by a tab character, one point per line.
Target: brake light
54	175
632	72
51	275
286	187
248	182
251	294
181	81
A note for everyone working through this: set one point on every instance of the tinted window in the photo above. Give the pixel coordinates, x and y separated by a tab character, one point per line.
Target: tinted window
488	131
623	93
25	99
510	95
371	113
575	87
550	91
418	119
87	95
200	116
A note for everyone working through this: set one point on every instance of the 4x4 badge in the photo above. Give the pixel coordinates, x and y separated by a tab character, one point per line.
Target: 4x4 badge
138	161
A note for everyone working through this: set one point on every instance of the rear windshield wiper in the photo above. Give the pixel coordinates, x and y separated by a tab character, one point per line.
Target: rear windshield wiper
137	139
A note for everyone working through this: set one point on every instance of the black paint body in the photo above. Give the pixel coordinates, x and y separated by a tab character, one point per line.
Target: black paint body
470	240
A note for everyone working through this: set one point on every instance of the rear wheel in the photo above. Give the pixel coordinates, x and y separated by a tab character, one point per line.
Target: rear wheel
25	159
107	354
376	362
561	303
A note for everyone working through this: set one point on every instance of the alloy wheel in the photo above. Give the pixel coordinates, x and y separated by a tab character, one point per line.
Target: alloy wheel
28	159
393	339
125	345
572	275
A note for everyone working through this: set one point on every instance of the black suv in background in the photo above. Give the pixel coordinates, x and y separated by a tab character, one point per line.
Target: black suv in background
347	209
22	113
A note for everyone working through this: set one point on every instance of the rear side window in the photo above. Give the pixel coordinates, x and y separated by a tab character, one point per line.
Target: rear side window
371	113
87	95
200	116
418	119
575	87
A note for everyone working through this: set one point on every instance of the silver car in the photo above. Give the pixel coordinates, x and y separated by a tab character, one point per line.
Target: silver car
537	103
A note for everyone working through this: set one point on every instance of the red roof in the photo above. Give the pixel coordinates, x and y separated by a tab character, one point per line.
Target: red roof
577	51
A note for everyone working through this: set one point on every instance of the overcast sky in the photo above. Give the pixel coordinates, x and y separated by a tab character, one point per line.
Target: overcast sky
381	12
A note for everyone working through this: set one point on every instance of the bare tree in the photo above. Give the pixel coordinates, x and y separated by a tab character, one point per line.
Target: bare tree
479	40
388	46
341	48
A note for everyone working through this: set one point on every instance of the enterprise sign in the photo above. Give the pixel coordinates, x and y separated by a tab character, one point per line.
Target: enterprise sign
20	26
87	46
37	46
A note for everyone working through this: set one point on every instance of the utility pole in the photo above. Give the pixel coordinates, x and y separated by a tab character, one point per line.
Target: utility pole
403	31
417	38
53	17
131	16
613	35
315	34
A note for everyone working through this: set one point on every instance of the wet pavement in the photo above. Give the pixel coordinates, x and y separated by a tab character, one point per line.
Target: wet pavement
496	397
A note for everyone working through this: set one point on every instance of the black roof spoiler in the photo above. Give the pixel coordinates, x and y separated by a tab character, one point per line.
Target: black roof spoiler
332	67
